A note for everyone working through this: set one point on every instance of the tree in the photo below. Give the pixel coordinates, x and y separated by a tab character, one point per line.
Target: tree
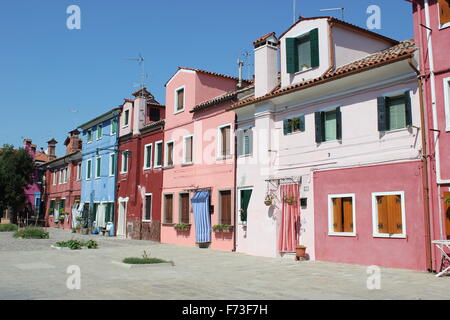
16	173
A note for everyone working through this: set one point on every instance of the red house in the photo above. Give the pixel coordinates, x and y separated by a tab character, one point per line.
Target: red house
432	34
139	165
63	183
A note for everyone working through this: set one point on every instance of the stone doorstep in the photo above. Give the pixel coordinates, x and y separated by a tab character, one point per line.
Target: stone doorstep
139	266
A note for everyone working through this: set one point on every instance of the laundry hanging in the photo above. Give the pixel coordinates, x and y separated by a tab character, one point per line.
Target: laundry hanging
202	219
290	218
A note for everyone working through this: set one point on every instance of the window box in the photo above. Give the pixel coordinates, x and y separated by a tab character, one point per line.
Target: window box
182	227
223	228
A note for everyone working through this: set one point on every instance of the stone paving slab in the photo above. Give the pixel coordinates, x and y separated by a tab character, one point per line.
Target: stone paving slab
197	274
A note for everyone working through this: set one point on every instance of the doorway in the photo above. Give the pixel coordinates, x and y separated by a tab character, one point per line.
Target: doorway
121	219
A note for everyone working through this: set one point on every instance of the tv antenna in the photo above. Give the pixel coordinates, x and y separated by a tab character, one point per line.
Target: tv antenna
143	75
245	63
335	9
294	4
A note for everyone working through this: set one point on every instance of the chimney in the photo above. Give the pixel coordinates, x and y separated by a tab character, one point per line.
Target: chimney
266	64
73	142
52	149
142	96
240	66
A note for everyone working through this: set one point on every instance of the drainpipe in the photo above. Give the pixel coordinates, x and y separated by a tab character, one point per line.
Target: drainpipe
425	177
235	185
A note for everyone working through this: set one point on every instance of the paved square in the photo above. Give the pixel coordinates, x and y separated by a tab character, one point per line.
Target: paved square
31	269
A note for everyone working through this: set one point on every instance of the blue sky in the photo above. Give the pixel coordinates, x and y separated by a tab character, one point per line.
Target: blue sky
53	79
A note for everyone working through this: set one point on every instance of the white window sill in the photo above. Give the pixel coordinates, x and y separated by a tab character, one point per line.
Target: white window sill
245	155
178	111
393	236
396	130
169	167
157	167
224	157
185	164
147	220
147	169
342	234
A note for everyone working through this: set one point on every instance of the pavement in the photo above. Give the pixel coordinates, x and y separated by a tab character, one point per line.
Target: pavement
32	269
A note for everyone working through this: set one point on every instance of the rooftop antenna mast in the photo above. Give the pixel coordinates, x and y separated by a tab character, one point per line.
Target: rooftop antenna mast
335	9
294	4
143	76
246	63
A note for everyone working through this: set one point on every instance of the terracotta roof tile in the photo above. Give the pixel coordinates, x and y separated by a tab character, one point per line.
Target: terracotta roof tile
403	50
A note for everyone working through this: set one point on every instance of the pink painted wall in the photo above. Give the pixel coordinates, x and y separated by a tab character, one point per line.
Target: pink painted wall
364	248
206	170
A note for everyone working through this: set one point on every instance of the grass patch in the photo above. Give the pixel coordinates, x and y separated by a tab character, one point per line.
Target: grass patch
8	227
31	233
134	260
77	244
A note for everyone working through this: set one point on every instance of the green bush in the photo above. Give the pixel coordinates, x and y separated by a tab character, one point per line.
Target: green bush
8	227
134	260
31	233
76	244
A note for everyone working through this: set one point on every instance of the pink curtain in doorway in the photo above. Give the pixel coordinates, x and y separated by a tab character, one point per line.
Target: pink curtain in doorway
290	218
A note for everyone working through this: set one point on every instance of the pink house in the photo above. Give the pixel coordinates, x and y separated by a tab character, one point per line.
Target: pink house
432	34
198	186
336	157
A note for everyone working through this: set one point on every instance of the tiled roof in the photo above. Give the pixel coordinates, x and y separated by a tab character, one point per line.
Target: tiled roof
220	99
261	39
345	24
398	52
153	125
213	73
41	157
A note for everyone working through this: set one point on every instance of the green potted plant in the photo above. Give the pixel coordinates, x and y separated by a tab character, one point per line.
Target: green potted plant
217	228
268	201
290	200
182	227
227	228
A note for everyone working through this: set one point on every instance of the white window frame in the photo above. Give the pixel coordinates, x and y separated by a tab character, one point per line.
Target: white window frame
79	166
175	111
446	82
156	154
331	231
122	169
88	165
151	208
99	127
219	142
112	159
166	154
54	177
96	167
125	125
376	234
146	156
184	150
441	26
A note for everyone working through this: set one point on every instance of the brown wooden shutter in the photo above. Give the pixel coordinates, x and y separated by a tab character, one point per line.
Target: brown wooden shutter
337	215
444	11
170	154
225	205
347	208
184	208
447	215
180	99
225	132
169	208
382	208
188	149
394	204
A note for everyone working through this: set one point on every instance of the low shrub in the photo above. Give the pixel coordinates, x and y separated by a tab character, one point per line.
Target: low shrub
8	227
77	244
31	233
134	260
91	244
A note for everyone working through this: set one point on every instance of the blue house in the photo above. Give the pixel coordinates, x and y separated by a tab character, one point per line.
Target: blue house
99	162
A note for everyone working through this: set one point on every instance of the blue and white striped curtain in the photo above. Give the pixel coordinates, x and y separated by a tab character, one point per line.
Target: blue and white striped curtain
202	219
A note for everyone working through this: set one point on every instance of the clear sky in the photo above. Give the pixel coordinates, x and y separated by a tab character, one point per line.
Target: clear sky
53	79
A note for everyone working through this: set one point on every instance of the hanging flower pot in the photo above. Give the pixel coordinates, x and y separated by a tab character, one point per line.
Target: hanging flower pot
269	200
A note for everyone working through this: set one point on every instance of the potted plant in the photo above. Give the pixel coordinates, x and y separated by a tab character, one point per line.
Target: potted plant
290	200
269	199
217	228
182	227
227	228
300	252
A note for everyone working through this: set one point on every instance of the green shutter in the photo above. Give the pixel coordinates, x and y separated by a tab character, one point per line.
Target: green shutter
408	112
382	114
302	123
319	127
338	124
291	55
315	56
286	126
245	200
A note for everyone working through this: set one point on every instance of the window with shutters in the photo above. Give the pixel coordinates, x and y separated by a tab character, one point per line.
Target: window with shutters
444	13
245	142
113	127
179	100
158	154
88	169
394	112
148	207
341	215
295	124
125	157
188	149
184	208
99	131
168	208
244	201
302	53
224	141
112	164
225	207
98	167
389	214
328	125
148	156
169	154
447	102
89	136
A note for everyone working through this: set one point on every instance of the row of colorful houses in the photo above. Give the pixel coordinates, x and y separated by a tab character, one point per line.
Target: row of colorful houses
339	143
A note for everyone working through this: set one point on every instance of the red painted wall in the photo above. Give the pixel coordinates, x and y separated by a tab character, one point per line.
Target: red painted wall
364	248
